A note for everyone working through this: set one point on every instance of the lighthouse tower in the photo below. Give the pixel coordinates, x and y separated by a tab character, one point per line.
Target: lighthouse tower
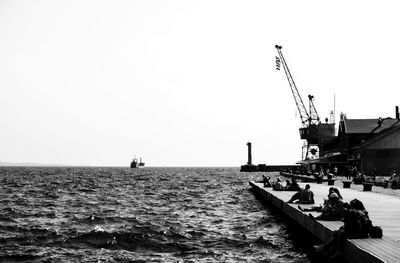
249	153
249	167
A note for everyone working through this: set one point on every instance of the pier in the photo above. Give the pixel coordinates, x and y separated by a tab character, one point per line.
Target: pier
384	211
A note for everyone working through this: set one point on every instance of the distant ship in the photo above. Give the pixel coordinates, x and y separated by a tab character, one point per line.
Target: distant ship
136	164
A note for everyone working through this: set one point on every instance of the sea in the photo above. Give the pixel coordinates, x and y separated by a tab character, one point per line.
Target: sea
154	214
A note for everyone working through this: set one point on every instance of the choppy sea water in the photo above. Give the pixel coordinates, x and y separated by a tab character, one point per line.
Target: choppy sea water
69	214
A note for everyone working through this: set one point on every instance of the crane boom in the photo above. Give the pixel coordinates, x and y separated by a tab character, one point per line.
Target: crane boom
304	116
312	130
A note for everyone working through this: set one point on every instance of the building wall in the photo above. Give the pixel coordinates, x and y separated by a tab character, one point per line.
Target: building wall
384	160
383	153
390	141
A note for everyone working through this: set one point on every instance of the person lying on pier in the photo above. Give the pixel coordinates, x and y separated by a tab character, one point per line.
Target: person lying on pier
331	210
292	186
356	225
304	196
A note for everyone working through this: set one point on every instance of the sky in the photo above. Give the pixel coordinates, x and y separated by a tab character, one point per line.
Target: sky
186	83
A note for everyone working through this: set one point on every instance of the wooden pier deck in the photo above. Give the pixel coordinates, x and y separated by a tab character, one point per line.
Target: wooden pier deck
384	211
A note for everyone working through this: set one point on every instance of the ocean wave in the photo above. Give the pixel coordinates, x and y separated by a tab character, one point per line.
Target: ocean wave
162	241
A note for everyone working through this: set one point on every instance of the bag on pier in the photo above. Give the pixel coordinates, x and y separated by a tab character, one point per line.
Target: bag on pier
376	232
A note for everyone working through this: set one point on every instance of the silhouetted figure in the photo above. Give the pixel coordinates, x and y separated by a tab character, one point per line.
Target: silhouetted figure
331	210
267	181
292	186
278	185
304	196
374	174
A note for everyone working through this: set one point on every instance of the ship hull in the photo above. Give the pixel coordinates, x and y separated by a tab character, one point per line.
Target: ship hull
136	164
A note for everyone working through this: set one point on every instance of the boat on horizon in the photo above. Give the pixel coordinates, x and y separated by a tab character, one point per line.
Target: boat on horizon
136	164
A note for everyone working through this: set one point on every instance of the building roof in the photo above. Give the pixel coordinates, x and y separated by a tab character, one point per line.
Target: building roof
364	126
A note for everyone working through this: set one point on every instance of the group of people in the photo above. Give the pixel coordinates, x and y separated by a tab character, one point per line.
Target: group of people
278	185
332	208
351	172
359	177
357	223
314	170
304	196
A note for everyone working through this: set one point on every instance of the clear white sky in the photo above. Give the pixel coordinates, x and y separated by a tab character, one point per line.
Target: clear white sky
185	83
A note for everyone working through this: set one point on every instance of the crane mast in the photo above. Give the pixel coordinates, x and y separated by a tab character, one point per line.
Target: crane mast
314	118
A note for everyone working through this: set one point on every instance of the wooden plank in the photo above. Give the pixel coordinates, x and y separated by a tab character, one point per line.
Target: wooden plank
384	210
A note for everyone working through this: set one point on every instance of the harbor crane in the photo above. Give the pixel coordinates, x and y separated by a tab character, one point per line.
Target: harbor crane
312	130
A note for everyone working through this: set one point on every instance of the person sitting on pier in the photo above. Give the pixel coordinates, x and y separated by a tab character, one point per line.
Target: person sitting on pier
267	181
287	184
292	186
331	210
304	196
278	185
319	208
319	176
356	225
334	190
